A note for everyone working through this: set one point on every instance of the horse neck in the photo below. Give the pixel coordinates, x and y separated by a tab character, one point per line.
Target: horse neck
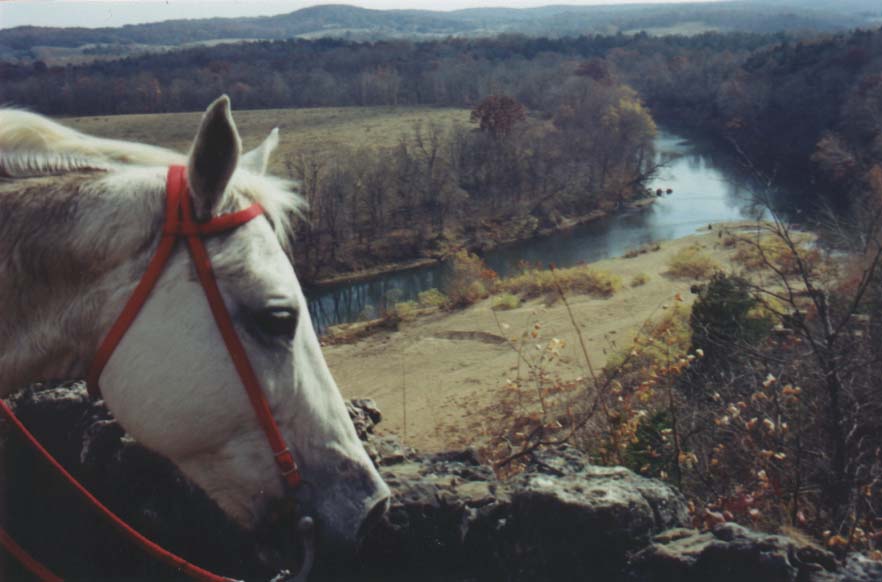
70	252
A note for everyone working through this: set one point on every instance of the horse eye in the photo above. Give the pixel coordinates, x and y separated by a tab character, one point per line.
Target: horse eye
277	321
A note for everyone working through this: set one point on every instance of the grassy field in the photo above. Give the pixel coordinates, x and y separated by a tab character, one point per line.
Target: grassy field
300	130
687	28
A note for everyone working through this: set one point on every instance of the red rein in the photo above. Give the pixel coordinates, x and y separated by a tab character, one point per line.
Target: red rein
179	223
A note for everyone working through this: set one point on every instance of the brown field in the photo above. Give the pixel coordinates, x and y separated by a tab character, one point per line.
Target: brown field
300	130
687	28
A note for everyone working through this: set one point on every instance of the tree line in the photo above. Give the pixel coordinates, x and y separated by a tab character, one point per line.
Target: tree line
444	187
326	72
808	107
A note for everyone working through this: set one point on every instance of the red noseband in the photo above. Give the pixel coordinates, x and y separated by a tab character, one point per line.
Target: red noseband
180	223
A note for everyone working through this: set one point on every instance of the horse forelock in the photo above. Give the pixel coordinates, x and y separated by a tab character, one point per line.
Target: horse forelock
278	197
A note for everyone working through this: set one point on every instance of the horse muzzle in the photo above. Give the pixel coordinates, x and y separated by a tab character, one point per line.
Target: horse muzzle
345	517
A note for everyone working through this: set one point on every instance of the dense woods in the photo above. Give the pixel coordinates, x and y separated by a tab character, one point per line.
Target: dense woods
328	72
808	108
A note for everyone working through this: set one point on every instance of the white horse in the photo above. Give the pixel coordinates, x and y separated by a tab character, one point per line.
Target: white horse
80	217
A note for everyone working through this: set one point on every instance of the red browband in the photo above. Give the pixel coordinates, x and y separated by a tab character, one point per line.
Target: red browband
179	223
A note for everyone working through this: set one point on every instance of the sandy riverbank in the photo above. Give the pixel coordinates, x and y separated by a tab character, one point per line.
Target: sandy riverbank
445	368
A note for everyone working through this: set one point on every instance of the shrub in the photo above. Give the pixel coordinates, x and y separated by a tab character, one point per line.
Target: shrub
692	263
647	452
470	279
657	341
591	282
475	292
639	280
406	310
432	298
726	315
505	302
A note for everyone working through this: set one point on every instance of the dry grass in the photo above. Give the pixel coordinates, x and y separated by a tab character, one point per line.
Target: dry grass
659	343
687	28
770	251
692	263
405	310
581	280
301	130
432	298
632	253
505	301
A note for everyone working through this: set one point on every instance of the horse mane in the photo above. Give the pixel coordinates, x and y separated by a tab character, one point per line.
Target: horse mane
33	164
23	131
32	145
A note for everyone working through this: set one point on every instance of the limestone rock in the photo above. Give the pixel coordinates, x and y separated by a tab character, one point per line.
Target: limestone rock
732	553
365	416
451	519
562	517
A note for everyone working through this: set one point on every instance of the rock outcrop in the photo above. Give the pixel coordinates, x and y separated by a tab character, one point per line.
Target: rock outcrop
732	553
728	553
451	519
561	517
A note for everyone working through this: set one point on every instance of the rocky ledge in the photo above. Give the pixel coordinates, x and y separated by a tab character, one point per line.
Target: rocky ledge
562	519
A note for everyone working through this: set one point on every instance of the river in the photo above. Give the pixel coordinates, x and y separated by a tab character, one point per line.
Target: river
708	186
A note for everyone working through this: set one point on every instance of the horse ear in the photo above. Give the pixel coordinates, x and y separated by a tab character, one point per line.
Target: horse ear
213	158
257	160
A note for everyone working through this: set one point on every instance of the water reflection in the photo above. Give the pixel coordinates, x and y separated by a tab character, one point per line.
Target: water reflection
709	186
369	299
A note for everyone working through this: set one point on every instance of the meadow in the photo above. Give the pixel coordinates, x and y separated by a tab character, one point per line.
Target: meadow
300	130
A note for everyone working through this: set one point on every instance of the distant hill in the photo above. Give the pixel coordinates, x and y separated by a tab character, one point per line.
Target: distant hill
60	45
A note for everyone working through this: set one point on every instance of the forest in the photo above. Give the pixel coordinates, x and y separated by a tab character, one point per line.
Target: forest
809	103
332	72
509	176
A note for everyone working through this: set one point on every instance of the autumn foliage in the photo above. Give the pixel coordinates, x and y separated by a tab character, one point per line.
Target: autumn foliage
498	114
728	400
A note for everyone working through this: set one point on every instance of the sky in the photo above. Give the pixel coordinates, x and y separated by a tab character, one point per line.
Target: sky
98	13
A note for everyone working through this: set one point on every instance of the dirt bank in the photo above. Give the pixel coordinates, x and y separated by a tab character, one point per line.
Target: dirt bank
441	371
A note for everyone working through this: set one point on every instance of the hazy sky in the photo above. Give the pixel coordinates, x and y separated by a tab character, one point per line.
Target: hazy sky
96	13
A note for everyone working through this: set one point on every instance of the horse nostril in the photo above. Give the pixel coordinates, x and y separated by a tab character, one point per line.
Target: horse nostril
374	516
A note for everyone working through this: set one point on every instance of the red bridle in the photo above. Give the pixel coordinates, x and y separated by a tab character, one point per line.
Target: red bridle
179	223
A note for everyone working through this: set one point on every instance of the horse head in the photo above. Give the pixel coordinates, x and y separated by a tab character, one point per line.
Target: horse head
170	381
